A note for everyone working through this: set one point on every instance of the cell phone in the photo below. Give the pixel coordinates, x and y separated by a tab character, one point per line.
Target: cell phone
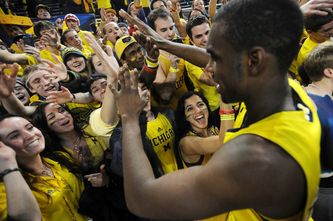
28	40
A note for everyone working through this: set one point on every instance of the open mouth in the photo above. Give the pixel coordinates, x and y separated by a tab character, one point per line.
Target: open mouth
51	88
20	97
77	64
64	122
33	143
200	118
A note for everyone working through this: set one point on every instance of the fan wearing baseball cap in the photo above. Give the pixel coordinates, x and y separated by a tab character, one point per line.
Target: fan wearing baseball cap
73	23
43	12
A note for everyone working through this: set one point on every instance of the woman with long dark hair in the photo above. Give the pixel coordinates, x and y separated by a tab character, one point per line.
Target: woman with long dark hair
197	138
56	189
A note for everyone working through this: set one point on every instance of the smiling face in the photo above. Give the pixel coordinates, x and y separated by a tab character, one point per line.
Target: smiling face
98	88
73	24
42	13
199	4
42	82
134	56
72	39
76	63
58	119
21	93
196	113
110	16
22	136
112	32
98	66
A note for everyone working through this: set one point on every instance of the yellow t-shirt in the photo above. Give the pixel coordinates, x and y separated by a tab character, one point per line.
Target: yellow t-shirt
98	126
103	4
162	137
46	54
303	53
210	92
57	197
87	50
97	145
286	129
181	88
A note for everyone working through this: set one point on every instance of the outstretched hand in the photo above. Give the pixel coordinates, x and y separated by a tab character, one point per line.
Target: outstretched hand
317	7
125	90
7	80
58	68
109	62
148	44
61	97
145	29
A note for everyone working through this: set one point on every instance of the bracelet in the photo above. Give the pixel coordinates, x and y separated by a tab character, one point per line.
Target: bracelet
173	70
225	117
73	98
8	171
149	70
224	111
151	64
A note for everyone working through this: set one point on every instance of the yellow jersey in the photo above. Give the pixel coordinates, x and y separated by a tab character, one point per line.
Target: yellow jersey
181	88
162	137
286	129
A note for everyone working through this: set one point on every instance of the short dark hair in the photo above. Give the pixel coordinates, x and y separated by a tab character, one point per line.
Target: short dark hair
96	76
314	22
276	26
318	60
153	1
155	14
63	36
42	25
195	21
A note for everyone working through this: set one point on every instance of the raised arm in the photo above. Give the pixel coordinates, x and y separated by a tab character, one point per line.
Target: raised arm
108	111
21	203
10	102
7	57
195	55
316	7
212	8
225	183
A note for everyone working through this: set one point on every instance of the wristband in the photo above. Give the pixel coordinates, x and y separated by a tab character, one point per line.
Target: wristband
148	69
225	117
173	70
8	171
151	64
225	111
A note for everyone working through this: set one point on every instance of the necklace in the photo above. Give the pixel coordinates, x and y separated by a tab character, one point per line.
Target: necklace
320	89
82	153
46	171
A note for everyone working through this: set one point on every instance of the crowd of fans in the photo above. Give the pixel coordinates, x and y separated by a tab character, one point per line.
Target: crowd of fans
68	97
